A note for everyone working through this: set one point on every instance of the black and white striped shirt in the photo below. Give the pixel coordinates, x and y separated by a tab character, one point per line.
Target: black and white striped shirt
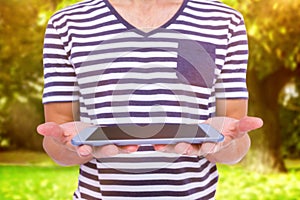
122	75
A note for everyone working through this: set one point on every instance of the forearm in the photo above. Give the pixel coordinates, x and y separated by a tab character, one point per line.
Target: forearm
63	155
233	152
237	148
61	152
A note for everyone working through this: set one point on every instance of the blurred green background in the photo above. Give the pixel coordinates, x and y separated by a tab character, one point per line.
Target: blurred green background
271	169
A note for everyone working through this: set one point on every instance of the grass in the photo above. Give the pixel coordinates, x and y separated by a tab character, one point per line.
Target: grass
238	184
37	183
35	177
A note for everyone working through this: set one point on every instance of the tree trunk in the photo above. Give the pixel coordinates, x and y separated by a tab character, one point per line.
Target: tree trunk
265	155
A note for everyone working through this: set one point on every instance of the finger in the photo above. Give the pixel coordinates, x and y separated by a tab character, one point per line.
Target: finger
72	128
84	150
208	148
159	147
211	147
183	148
105	151
50	129
166	148
128	149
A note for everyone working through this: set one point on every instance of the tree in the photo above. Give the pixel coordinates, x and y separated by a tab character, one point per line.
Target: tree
22	26
274	29
290	119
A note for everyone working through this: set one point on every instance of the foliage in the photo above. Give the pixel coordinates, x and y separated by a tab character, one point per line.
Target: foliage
20	53
273	29
275	44
290	134
290	119
22	26
23	120
65	3
58	183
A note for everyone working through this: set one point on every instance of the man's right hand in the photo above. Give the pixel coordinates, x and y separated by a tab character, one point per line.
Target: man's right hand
61	135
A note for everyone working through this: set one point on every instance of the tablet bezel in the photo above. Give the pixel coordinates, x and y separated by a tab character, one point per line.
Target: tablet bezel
213	135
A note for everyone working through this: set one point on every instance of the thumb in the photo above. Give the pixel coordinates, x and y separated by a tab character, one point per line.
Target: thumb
50	129
247	124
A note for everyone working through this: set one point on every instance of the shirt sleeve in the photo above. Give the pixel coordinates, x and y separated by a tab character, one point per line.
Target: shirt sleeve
60	82
231	83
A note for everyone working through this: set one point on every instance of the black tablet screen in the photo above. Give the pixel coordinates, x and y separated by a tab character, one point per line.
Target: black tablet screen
157	131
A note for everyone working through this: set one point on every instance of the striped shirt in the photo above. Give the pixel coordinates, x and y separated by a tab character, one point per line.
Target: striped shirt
122	75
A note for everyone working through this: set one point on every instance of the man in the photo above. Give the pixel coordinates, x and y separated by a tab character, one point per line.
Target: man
143	62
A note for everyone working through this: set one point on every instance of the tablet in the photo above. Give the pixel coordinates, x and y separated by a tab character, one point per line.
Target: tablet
150	134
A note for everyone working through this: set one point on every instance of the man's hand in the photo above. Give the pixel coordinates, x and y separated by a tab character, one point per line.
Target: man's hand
235	132
62	135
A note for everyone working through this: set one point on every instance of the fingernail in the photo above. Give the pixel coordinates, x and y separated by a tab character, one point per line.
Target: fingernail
67	134
85	152
186	153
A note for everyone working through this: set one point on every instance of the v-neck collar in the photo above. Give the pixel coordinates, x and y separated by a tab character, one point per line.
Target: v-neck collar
139	31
